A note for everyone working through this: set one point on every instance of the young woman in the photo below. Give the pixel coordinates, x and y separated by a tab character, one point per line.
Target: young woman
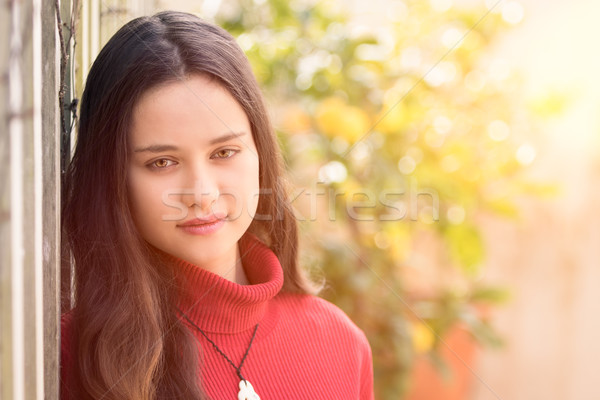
185	246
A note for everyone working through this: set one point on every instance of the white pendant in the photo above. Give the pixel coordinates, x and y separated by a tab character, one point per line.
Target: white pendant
247	391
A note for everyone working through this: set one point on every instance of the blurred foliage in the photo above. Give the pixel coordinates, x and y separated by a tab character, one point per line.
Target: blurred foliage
400	134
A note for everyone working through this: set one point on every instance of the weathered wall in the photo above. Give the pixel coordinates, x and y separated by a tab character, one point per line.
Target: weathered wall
29	200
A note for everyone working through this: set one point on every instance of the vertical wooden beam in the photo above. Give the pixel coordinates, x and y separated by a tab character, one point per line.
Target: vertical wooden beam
6	383
50	246
29	202
65	61
94	20
15	212
17	271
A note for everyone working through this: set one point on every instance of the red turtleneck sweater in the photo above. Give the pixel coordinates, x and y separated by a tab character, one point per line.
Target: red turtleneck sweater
305	347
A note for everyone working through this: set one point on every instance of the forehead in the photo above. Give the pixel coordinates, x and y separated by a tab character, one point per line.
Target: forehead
193	107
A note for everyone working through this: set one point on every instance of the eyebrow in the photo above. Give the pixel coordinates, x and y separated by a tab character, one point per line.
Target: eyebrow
159	148
156	148
226	137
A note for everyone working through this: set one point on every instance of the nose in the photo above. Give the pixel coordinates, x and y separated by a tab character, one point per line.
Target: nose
205	191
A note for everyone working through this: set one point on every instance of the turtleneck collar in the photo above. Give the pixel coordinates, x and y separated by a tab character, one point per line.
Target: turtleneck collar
218	305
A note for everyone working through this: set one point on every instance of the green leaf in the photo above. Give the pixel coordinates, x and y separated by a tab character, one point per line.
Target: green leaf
466	247
494	295
503	207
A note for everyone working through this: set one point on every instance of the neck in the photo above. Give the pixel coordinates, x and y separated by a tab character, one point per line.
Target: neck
236	273
240	274
219	304
230	268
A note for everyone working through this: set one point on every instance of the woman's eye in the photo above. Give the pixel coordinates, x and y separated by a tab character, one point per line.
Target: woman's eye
225	153
161	163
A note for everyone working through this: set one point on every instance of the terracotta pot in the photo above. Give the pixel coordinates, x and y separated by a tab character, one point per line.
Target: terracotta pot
459	353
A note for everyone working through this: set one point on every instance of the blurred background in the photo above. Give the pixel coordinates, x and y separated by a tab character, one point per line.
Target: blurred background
444	156
444	161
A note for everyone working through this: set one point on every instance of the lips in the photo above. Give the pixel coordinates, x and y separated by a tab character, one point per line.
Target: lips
199	221
204	225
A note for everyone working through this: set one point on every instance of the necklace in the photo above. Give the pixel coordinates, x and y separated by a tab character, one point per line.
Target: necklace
246	390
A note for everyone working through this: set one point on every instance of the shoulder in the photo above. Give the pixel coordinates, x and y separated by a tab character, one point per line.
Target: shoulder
320	316
338	347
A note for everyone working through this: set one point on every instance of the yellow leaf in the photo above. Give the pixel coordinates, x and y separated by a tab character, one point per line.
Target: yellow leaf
335	118
328	114
295	120
392	119
354	124
423	337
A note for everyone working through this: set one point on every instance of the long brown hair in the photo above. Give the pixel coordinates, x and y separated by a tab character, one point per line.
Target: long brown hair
127	340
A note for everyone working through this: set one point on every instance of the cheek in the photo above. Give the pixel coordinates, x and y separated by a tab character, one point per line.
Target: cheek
241	189
145	200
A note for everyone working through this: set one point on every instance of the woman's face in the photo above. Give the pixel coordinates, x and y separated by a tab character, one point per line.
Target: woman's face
193	176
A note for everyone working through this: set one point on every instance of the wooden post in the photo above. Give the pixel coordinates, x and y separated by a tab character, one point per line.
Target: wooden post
30	151
29	201
66	66
51	244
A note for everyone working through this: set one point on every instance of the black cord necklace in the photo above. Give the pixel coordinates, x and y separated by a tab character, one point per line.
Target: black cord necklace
246	390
